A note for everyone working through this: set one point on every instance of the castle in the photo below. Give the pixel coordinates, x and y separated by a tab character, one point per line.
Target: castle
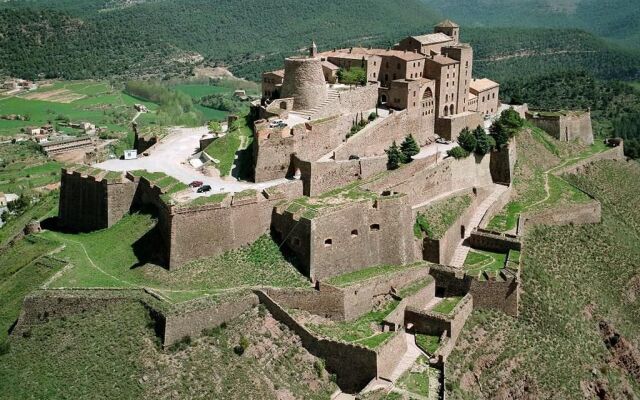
324	193
424	86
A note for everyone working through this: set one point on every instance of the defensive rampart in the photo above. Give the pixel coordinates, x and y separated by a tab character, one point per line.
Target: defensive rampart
502	164
564	125
92	199
614	153
494	241
441	250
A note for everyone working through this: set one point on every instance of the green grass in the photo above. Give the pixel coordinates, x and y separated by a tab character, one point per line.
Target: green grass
45	207
415	287
106	259
359	331
20	273
428	343
112	353
224	149
202	200
446	305
103	106
574	276
197	91
529	179
439	217
351	278
479	261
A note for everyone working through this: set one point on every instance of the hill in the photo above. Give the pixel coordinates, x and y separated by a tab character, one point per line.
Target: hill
618	20
77	39
580	288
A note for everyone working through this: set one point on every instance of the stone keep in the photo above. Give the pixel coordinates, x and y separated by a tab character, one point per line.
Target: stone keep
304	81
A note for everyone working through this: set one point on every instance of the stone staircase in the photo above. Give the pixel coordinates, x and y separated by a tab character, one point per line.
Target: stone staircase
332	96
462	250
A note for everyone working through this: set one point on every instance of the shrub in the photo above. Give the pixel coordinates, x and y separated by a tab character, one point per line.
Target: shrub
373	116
352	76
467	140
458	153
244	342
239	350
318	365
4	348
484	142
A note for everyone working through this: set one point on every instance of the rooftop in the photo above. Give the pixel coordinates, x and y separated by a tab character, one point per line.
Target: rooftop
364	52
480	85
443	60
447	23
433	38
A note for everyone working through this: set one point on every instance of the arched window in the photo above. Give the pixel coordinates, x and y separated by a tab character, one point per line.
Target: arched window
374	227
446	111
451	109
328	242
354	233
427	94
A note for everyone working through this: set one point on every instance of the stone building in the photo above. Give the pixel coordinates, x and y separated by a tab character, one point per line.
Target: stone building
426	78
564	125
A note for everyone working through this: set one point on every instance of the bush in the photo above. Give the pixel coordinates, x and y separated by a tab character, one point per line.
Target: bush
352	76
318	365
239	350
458	153
484	142
4	348
373	116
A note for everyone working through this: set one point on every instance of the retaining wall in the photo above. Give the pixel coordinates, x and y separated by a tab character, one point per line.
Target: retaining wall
576	214
494	241
615	153
192	323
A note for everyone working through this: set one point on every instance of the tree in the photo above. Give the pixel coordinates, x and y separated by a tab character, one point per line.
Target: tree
214	126
467	140
409	148
394	156
500	134
458	153
484	142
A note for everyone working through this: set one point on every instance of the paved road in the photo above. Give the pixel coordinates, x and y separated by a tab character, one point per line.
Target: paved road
171	156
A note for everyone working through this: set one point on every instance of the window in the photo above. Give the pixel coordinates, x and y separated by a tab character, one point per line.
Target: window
328	242
374	63
374	227
374	74
414	93
354	233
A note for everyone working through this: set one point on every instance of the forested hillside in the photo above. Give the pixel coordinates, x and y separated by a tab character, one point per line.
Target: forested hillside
97	38
618	20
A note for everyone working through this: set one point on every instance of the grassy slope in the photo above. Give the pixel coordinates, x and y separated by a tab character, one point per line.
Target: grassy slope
117	262
572	276
113	354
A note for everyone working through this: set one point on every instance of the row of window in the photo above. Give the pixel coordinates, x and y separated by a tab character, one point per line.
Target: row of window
489	97
354	234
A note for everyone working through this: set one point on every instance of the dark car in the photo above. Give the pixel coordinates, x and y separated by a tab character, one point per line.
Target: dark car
203	189
195	184
353	157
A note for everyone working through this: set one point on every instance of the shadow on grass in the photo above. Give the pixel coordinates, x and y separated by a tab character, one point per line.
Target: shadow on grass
150	249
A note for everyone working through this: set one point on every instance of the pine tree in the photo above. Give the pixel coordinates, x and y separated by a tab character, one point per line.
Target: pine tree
467	140
409	148
394	156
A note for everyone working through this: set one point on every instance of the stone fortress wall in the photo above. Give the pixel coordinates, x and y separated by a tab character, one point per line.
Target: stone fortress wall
304	81
565	126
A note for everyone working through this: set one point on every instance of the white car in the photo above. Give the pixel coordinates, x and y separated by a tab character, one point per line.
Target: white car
442	141
275	123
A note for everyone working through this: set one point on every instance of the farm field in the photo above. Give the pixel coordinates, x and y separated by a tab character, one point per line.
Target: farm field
574	277
91	101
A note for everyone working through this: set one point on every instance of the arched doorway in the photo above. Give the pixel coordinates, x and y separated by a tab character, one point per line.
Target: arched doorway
383	99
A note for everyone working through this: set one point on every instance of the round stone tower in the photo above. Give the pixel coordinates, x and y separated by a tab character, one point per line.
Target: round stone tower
304	81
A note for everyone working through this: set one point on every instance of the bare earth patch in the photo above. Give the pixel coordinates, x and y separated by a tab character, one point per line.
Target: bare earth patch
56	96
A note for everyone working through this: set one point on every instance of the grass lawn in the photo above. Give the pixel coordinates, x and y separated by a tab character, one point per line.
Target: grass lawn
435	220
46	206
109	258
479	261
428	343
446	305
359	331
367	273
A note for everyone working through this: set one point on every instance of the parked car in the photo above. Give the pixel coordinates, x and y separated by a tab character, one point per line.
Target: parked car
354	157
195	184
275	123
204	189
442	141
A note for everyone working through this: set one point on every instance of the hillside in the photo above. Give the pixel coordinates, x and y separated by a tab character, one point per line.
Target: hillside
580	288
618	20
100	38
113	354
